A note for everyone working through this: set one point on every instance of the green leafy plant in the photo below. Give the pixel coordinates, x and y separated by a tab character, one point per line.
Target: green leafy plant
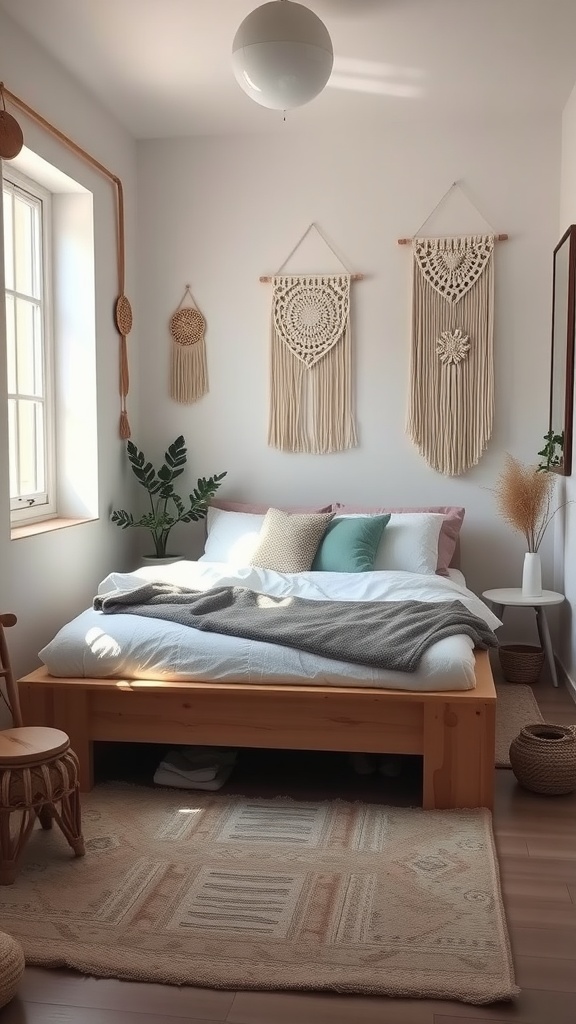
549	454
166	507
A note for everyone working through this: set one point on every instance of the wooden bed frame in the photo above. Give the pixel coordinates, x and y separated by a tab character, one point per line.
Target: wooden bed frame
452	730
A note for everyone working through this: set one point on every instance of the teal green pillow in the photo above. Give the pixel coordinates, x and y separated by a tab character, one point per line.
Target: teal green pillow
350	544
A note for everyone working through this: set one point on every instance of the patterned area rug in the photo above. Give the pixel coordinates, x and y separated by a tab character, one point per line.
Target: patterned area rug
229	892
516	707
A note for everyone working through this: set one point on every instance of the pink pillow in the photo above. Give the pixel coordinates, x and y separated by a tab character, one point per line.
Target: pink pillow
261	510
453	519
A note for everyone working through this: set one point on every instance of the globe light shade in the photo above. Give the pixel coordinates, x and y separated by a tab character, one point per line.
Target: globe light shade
282	55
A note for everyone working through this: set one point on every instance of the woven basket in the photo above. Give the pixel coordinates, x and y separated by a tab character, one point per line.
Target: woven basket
11	967
543	758
521	663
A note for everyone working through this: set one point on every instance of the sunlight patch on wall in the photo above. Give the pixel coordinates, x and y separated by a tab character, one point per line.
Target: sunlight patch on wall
376	77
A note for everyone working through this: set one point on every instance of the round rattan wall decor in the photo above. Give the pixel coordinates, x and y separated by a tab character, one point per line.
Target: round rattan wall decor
123	315
187	326
188	370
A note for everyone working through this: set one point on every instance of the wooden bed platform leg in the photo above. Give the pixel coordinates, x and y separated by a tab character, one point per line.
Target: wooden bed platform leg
71	712
458	755
65	709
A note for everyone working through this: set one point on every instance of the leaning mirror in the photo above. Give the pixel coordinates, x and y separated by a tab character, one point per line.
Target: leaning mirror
559	439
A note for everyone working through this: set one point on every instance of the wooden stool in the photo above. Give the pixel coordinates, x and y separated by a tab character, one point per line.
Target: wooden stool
38	778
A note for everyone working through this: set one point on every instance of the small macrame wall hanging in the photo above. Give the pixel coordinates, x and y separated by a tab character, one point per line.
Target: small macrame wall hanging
188	370
311	378
451	403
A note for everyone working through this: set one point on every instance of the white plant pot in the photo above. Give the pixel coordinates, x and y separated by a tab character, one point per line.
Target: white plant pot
167	560
532	575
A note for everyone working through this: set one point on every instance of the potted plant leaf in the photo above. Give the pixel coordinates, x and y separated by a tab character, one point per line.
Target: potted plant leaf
166	506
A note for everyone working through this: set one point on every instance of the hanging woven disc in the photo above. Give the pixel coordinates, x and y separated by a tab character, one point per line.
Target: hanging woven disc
11	137
189	375
187	326
123	320
123	315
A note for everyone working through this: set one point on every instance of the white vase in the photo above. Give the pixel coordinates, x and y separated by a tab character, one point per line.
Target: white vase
532	575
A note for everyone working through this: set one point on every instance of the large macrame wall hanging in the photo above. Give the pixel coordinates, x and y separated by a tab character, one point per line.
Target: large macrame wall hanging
311	378
451	404
188	370
11	141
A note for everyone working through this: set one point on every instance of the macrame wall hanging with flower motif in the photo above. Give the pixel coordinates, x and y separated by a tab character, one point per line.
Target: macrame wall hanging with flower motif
188	370
451	402
311	379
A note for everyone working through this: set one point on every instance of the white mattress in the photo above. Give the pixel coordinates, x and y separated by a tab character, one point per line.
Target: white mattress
135	647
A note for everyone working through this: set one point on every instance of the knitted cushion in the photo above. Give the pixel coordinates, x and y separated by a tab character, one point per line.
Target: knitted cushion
11	967
287	542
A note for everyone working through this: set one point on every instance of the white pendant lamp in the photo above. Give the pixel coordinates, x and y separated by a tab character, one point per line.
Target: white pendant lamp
282	55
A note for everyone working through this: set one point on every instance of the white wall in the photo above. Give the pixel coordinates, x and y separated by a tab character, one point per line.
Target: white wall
566	526
218	212
48	578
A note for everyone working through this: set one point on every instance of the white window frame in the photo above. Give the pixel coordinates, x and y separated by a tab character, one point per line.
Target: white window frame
43	505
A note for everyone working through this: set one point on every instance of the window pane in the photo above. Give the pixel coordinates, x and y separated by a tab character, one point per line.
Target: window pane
24	246
31	447
8	247
10	344
39	413
28	349
13	448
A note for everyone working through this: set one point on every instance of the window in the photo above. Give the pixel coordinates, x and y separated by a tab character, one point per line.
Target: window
26	207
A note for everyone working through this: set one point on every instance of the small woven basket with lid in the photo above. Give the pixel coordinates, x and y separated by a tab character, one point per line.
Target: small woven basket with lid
543	758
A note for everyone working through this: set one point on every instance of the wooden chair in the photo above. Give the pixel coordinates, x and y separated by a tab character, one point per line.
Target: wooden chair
38	777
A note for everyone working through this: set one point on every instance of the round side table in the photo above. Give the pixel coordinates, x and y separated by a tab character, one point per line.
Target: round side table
512	597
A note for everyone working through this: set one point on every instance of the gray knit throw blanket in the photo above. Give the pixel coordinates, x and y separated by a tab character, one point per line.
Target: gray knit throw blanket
384	634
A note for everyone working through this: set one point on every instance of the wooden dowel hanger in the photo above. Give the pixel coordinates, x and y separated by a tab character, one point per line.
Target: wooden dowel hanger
497	238
267	279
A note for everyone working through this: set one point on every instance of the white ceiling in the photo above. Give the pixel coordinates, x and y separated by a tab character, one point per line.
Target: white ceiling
163	66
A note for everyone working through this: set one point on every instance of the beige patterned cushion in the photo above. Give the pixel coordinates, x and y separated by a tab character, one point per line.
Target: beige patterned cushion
288	542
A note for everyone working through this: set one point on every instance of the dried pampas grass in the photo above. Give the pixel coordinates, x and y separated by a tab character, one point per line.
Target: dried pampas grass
524	495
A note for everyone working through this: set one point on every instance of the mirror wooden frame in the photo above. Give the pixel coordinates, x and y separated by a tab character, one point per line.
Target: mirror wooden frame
562	356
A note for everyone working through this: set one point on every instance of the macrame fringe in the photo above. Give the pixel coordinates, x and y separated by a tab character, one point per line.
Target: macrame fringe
452	364
189	372
311	409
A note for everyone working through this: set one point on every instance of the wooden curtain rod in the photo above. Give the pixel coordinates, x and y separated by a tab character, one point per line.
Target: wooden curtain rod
497	238
59	135
267	280
123	311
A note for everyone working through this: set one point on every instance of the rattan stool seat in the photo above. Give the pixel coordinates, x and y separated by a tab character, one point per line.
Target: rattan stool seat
31	743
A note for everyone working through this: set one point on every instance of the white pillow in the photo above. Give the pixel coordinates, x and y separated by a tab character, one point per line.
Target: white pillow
409	542
232	536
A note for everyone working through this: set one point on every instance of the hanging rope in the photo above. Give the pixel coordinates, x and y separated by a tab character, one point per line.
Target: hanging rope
123	310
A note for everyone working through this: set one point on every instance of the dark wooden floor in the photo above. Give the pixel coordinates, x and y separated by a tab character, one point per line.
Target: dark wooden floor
536	838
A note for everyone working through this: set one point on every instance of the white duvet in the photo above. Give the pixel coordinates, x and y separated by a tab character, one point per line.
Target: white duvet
134	647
